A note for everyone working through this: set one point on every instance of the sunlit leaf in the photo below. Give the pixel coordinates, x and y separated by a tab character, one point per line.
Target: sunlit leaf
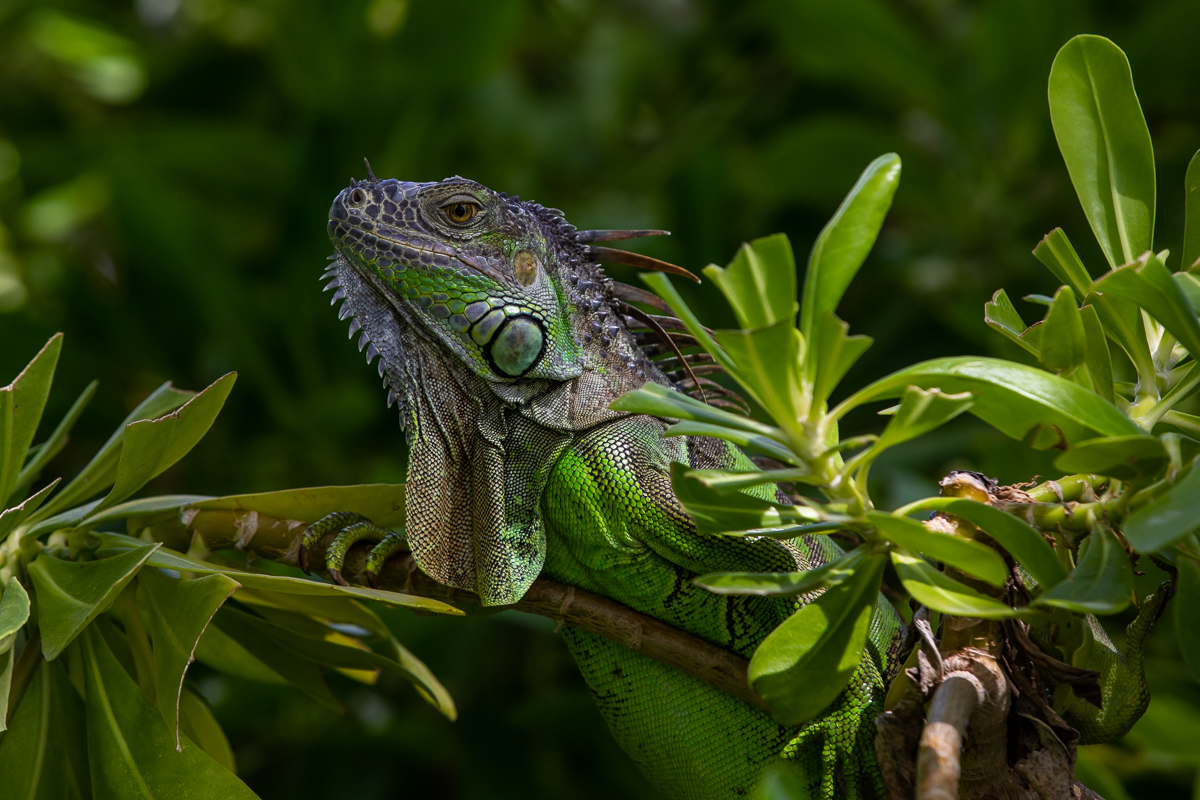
57	439
131	751
844	242
786	584
1105	143
1101	583
1168	518
14	612
836	351
1064	341
768	363
1056	252
659	401
1123	324
382	503
972	557
760	282
1011	397
725	480
21	406
754	444
177	612
1190	253
152	446
715	511
1148	283
942	593
920	412
1097	358
1189	284
1126	458
71	593
1000	315
803	665
1018	537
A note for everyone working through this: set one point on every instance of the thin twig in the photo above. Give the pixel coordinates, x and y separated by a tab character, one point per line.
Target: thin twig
939	759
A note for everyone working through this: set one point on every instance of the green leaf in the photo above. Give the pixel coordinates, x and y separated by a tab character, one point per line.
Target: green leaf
844	242
101	471
768	363
7	659
1105	143
1189	284
222	652
14	516
1098	359
785	584
1000	315
1123	324
1018	537
1101	583
177	612
197	722
132	753
836	352
152	446
1190	252
1125	458
752	443
725	480
14	612
715	511
663	287
942	593
1064	340
43	755
920	412
659	401
806	662
71	593
972	557
1167	519
382	503
1148	283
1187	633
57	440
1056	252
146	508
21	406
760	282
1018	400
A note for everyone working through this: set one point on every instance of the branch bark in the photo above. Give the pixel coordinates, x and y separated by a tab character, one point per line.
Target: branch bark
279	540
939	759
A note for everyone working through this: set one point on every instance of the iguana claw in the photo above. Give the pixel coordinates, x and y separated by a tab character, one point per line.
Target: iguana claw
350	528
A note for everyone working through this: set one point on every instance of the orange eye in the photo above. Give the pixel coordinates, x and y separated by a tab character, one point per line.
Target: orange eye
460	213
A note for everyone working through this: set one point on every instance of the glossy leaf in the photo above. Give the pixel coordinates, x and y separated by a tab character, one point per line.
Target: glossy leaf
972	557
14	612
101	471
7	660
835	352
14	516
1105	143
760	282
1148	283
222	652
43	756
754	444
382	503
1057	254
1014	398
1189	284
57	439
71	593
177	611
1187	599
768	364
725	480
1190	253
1126	458
714	511
663	287
1064	341
805	663
1097	358
1000	315
844	242
1101	583
131	751
146	509
921	411
1022	540
784	584
21	406
942	593
1171	516
197	723
659	401
153	446
1123	324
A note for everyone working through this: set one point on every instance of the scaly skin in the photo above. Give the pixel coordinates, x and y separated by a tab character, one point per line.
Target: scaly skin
504	344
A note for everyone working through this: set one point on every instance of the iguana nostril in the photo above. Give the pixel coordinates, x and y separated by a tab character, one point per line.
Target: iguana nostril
518	346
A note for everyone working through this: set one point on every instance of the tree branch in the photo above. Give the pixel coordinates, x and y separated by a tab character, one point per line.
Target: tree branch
939	762
279	540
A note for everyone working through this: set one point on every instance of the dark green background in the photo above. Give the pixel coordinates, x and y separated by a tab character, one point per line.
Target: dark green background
165	168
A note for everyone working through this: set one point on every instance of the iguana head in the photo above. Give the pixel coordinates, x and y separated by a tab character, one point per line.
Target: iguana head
500	336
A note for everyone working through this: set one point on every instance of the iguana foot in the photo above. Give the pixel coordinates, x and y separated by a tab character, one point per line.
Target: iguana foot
836	751
351	528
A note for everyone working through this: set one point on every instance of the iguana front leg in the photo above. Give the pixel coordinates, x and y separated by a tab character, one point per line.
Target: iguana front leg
350	529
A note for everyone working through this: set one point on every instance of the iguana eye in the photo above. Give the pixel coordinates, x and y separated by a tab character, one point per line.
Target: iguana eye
460	212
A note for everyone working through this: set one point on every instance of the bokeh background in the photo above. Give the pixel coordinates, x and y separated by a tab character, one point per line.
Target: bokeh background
166	165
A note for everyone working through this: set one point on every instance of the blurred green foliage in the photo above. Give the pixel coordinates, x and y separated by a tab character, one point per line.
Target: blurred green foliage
165	167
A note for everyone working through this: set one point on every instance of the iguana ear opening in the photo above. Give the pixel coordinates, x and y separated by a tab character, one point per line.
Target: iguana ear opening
475	480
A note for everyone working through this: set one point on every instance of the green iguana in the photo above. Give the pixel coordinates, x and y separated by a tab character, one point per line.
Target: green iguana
504	344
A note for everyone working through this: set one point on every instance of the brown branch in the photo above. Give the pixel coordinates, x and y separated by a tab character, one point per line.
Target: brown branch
939	759
279	539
